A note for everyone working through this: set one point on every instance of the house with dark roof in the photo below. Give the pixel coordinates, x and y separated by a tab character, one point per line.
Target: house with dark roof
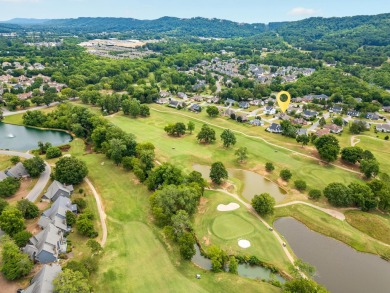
353	113
372	116
57	189
269	110
229	102
301	131
56	214
333	128
174	104
386	109
275	128
309	114
47	245
195	108
2	176
182	96
243	105
162	101
336	109
43	281
383	127
17	171
256	122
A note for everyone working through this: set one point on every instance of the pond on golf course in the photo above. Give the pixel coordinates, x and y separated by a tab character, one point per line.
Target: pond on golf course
244	270
340	268
21	138
253	183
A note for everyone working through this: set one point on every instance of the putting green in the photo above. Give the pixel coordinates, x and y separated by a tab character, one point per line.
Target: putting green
231	226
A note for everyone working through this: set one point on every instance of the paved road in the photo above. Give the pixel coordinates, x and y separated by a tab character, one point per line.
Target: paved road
42	181
102	214
10	113
333	213
317	123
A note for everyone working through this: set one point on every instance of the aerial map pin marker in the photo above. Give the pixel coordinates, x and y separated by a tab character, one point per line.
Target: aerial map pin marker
283	105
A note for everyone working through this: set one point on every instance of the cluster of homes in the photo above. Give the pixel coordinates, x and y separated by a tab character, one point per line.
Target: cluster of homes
21	84
265	73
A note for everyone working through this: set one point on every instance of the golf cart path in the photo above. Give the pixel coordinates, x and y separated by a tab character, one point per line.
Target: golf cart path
102	214
256	137
43	179
335	214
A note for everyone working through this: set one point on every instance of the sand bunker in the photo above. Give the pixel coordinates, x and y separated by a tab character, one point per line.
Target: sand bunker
244	243
227	208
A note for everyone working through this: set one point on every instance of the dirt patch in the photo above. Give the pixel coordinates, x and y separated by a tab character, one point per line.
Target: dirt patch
281	182
206	240
202	205
25	187
65	148
33	227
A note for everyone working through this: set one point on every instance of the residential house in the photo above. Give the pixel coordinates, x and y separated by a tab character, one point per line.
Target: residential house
25	96
17	171
243	105
43	281
383	127
241	116
164	94
301	131
214	100
256	122
201	84
336	109
57	189
284	117
321	132
176	104
353	113
256	102
299	121
297	100
195	108
372	116
310	98
366	124
2	176
333	128
386	109
182	96
275	128
309	114
229	102
197	98
162	101
269	110
47	245
228	112
56	214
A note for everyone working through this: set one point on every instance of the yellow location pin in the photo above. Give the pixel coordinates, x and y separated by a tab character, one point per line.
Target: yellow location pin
283	105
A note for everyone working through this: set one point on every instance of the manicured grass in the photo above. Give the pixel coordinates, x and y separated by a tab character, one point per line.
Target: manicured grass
226	228
14	119
320	222
186	151
376	226
136	258
5	162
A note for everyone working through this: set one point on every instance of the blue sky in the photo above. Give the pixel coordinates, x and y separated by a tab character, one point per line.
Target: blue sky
237	10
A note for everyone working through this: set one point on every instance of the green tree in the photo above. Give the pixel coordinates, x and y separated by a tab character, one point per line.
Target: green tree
11	220
263	204
21	238
85	225
77	266
338	121
352	154
228	138
233	265
70	170
69	281
15	264
165	174
81	203
144	111
328	147
301	285
53	152
338	195
241	154
95	246
177	129
126	105
218	172
212	111
29	209
191	126
300	185
363	196
370	168
34	166
134	108
70	218
117	148
187	245
285	174
218	258
269	167
15	160
322	122
206	134
9	186
303	139
315	194
3	205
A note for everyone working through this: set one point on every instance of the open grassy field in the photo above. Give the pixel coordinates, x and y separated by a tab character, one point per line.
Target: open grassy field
224	229
375	225
320	222
136	259
5	162
186	151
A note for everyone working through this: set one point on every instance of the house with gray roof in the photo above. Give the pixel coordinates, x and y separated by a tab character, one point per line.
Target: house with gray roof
43	281
383	127
57	189
47	245
256	122
275	128
56	214
2	176
17	171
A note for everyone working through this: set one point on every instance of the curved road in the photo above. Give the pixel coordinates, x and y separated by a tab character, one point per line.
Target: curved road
102	214
43	179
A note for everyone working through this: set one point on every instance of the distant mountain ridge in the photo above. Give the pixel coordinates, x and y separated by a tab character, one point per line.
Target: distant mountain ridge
25	21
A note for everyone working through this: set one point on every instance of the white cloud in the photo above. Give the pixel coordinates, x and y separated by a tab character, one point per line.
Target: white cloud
301	11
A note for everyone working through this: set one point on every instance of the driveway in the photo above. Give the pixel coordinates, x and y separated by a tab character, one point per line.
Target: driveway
42	181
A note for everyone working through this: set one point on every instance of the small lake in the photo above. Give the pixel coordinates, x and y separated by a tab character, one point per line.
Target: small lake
340	268
21	138
244	270
253	183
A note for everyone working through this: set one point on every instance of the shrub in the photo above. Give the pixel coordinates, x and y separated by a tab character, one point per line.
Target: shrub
21	238
28	209
300	185
315	193
269	167
15	160
9	186
53	152
81	203
285	174
263	204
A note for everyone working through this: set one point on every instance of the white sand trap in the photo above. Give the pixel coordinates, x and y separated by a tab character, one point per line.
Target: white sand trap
227	208
244	243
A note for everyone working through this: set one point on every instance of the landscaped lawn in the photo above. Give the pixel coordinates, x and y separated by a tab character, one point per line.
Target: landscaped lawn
136	259
224	229
5	162
320	222
377	226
